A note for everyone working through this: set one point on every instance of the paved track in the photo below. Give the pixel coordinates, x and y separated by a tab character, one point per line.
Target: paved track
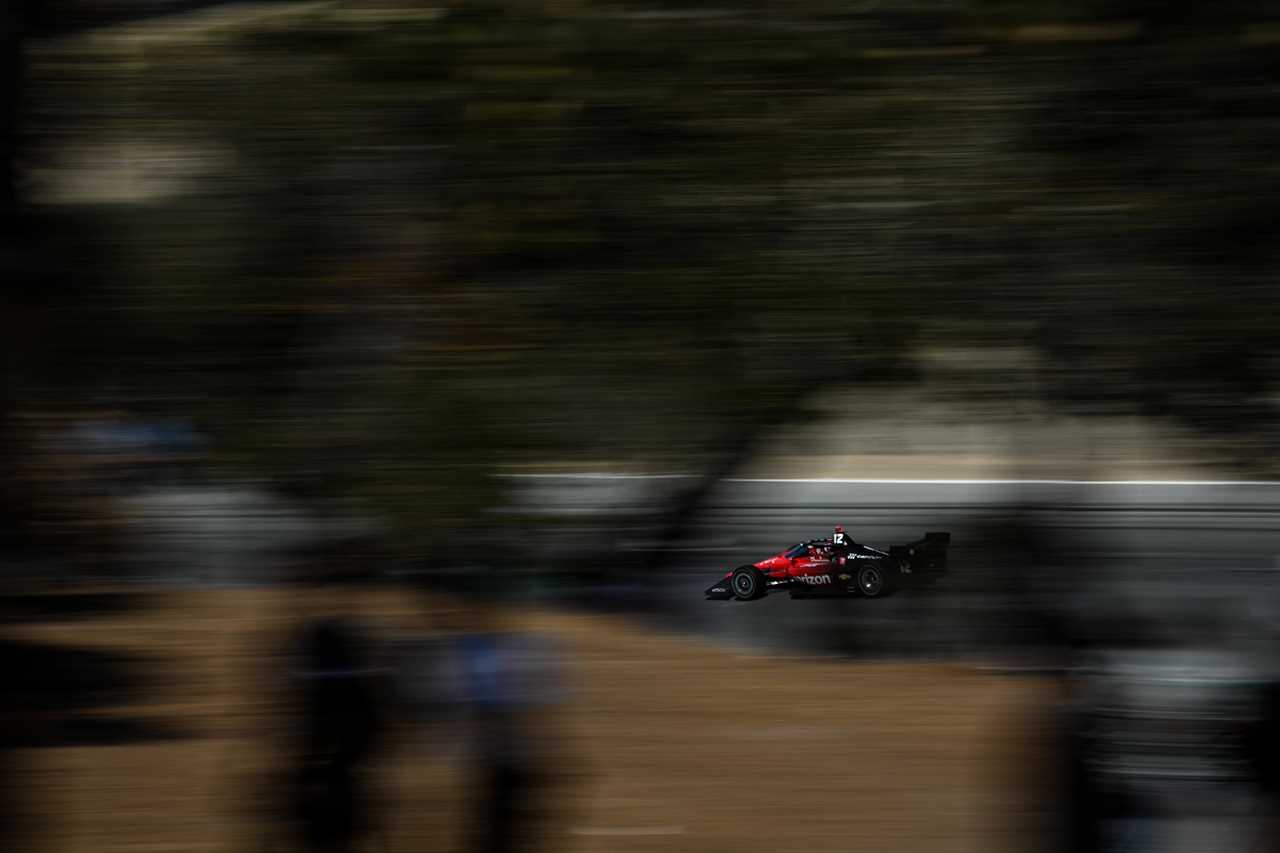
1176	551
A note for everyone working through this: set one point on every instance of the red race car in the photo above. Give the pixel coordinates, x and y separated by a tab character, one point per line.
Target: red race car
819	568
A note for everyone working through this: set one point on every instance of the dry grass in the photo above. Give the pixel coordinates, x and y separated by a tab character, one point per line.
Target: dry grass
667	743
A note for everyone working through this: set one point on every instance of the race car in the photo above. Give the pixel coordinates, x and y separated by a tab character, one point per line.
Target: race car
815	568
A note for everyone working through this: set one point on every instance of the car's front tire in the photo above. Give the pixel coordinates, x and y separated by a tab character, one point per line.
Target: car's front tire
747	583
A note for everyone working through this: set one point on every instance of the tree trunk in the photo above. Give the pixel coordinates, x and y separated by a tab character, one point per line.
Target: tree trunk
13	270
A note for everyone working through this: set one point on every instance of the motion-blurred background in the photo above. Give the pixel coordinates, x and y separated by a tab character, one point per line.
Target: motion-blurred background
383	382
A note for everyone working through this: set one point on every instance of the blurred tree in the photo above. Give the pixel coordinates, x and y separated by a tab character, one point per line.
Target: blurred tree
414	245
13	284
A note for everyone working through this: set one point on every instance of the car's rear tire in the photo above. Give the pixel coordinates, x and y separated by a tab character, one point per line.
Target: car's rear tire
747	583
873	581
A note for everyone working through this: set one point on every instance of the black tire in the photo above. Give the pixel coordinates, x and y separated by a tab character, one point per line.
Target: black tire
873	581
747	583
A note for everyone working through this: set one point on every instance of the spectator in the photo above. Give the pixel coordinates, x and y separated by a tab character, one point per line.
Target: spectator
504	678
340	732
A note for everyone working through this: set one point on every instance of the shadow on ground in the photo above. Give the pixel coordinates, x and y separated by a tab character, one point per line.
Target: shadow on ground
55	696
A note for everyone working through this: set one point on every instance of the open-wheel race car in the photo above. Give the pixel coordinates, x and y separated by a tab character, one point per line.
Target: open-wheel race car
820	568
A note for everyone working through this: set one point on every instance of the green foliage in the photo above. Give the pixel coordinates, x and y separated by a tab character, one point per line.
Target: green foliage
508	233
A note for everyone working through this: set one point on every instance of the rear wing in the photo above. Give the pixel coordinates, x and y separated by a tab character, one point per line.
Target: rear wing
924	555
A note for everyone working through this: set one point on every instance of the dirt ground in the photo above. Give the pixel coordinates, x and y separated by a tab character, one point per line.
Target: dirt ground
665	742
